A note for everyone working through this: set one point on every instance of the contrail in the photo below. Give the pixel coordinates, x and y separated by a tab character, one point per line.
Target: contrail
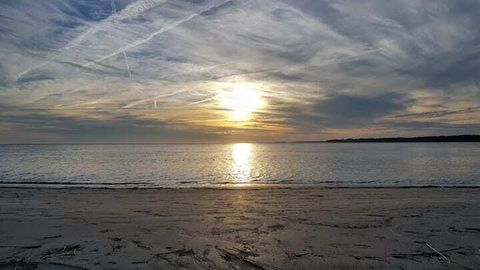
154	99
114	11
260	71
156	33
114	7
131	11
198	69
126	63
204	100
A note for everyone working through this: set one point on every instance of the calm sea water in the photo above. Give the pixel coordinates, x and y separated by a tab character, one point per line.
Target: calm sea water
381	164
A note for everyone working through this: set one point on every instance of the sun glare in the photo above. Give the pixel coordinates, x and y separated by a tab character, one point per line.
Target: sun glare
242	159
242	101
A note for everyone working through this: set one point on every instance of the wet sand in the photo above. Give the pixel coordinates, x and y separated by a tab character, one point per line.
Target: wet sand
288	228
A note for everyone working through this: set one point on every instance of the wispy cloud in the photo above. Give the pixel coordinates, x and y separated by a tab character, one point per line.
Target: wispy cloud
321	65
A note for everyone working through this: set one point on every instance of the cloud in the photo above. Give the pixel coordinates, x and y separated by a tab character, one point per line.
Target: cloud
437	114
117	129
352	111
320	64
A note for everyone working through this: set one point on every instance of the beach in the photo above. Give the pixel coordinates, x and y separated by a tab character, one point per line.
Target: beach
240	228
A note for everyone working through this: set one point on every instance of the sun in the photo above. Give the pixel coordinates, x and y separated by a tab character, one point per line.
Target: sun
242	100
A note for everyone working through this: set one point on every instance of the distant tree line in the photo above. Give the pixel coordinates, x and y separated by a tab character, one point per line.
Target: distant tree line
456	138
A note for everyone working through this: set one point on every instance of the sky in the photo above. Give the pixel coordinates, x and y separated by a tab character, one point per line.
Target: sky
96	71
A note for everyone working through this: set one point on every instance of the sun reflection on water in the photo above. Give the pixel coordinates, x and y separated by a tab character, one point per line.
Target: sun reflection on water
242	163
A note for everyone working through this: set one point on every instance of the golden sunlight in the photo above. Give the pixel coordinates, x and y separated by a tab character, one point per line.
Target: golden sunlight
241	166
242	101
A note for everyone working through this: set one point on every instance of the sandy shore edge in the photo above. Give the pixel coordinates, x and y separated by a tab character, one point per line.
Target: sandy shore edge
240	228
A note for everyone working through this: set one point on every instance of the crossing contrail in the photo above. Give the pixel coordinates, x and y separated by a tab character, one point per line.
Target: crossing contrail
126	63
156	33
131	11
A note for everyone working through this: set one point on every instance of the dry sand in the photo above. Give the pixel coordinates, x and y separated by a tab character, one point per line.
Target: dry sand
426	228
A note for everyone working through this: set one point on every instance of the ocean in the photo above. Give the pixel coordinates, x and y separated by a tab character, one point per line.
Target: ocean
244	164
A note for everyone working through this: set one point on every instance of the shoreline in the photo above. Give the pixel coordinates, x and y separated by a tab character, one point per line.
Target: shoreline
134	186
241	228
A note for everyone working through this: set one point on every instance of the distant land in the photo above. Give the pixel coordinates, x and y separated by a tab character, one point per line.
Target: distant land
456	138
